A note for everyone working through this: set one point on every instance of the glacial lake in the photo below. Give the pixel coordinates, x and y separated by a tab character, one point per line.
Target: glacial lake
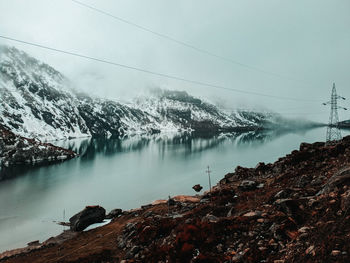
126	174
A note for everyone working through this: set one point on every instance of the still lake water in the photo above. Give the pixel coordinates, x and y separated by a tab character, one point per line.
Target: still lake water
127	174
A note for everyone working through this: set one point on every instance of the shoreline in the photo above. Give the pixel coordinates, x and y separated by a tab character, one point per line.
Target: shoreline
66	235
251	214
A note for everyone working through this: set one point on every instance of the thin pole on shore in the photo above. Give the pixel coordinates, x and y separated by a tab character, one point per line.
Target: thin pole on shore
169	205
208	172
64	218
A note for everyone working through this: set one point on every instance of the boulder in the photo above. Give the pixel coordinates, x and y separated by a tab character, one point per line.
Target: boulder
210	218
261	167
303	181
247	185
197	187
339	179
345	201
114	213
252	214
90	215
284	193
171	202
291	207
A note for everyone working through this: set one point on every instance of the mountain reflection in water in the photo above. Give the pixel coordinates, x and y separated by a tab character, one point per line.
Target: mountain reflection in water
128	173
183	144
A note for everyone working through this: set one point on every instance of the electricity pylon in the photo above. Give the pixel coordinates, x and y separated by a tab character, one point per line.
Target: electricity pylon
333	131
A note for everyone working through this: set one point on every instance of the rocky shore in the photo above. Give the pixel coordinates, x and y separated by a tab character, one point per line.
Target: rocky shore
18	150
294	210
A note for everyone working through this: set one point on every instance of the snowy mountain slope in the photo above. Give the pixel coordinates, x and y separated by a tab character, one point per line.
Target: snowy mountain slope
188	112
37	101
34	102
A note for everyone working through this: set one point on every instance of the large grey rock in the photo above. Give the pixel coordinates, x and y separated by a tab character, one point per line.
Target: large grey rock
90	215
339	179
247	185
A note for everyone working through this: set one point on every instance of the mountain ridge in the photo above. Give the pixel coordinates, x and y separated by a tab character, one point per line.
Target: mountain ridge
37	101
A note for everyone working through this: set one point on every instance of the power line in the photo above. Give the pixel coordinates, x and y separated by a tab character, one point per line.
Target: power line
188	45
200	83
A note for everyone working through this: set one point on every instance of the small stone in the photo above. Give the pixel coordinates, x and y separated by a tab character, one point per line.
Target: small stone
132	252
303	235
148	214
189	221
219	248
345	201
303	229
333	194
114	213
318	180
335	253
251	234
248	185
210	218
260	166
310	250
229	214
34	243
197	187
171	201
237	258
252	214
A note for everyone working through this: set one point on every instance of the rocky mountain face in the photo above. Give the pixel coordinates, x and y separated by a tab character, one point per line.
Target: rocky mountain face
37	101
180	109
17	150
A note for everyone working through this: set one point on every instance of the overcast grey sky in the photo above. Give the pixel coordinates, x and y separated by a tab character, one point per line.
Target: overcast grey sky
306	40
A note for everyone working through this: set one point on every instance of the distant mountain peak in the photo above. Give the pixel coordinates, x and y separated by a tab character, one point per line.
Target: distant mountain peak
38	101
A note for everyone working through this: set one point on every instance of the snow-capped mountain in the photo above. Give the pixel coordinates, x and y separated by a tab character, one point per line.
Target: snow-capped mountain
37	101
180	109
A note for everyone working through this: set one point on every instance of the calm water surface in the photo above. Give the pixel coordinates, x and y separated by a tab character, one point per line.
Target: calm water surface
127	174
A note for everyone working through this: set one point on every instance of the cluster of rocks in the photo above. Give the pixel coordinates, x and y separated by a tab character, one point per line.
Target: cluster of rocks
295	210
17	150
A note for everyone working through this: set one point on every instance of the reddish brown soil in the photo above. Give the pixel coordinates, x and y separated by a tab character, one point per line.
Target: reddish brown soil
295	210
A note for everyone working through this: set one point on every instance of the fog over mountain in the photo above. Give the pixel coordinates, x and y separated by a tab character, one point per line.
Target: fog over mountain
307	42
37	101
